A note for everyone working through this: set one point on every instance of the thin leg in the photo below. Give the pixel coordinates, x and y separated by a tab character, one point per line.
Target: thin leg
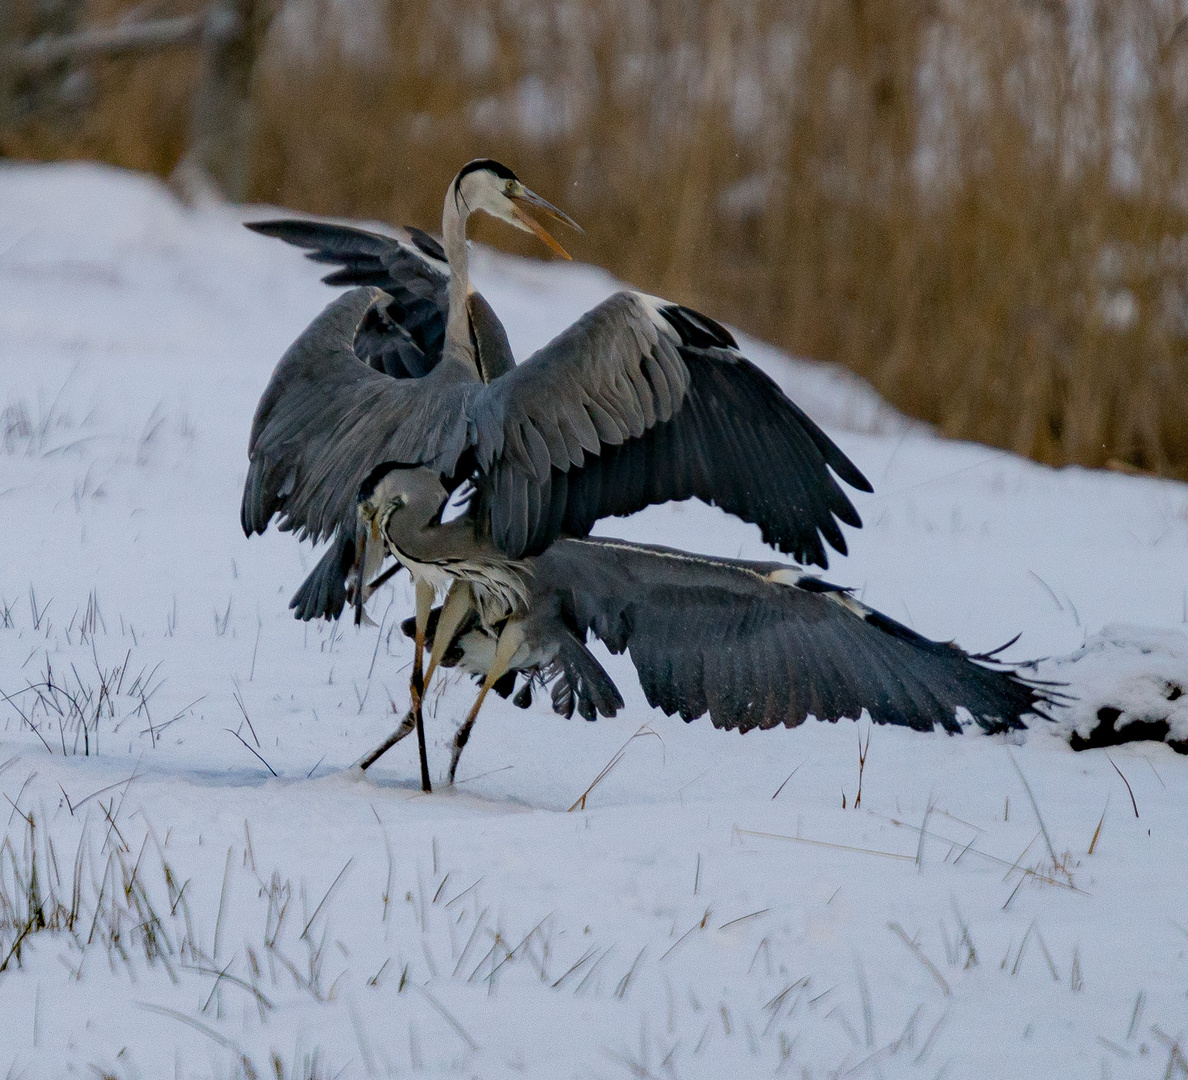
417	687
405	728
453	611
509	641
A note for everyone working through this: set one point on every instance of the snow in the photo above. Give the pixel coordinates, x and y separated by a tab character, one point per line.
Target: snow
719	906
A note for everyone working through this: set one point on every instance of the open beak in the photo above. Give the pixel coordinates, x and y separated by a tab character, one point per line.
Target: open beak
526	198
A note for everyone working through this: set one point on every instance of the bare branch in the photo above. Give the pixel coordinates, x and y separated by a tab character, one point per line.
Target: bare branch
47	51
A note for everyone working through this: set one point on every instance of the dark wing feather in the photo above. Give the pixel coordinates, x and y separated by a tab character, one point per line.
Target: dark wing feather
322	595
737	443
411	268
760	644
641	402
326	419
384	343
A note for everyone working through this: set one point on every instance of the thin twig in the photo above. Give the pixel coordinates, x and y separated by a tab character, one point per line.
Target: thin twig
1129	790
248	745
919	955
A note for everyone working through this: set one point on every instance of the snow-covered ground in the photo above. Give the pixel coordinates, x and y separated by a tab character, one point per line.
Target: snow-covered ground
191	885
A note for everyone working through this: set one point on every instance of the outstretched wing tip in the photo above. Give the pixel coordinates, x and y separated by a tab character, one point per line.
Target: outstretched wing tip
757	647
856	479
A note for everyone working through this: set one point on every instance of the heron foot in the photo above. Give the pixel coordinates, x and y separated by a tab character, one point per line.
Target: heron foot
406	728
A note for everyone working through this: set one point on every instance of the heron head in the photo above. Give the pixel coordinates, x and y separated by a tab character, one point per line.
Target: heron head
393	500
487	185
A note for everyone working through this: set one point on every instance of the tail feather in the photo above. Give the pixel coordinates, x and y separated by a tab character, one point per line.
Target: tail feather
322	594
583	682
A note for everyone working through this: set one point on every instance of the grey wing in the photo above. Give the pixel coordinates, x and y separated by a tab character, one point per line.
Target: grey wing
326	419
642	402
757	645
404	337
323	593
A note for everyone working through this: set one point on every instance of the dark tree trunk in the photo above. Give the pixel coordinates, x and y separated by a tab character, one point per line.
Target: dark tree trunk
221	123
8	48
48	87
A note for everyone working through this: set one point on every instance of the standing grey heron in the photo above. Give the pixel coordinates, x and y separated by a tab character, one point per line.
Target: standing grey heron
639	402
754	644
406	336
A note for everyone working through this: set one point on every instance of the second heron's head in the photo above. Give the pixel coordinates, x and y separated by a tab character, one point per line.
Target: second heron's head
394	505
487	185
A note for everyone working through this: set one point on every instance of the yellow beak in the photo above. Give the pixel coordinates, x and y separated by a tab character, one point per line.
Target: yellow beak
526	198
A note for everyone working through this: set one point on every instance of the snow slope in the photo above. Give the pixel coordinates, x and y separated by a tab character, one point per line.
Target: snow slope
191	885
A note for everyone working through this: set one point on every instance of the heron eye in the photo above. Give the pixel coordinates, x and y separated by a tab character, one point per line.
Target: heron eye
399	502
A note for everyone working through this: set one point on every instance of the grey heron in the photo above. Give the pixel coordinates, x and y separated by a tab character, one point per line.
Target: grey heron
640	401
754	644
402	338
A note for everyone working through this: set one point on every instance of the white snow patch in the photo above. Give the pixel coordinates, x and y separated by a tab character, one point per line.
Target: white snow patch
1138	674
710	911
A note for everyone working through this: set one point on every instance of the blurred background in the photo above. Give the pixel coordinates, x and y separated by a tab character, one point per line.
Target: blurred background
981	206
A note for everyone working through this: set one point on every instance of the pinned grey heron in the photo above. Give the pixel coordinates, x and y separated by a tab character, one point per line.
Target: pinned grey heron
639	402
754	644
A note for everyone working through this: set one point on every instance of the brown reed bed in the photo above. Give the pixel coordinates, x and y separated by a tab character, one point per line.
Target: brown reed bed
978	206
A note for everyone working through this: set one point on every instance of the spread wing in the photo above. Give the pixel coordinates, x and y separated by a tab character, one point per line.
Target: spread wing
638	402
402	338
642	402
326	419
760	644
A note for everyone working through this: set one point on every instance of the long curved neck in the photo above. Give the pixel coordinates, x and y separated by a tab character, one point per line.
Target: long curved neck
453	230
452	541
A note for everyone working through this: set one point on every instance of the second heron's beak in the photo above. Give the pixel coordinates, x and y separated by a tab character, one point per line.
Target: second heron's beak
370	552
522	198
359	572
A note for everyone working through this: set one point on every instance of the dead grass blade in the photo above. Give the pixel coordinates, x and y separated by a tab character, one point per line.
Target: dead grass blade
232	731
1100	823
1129	790
580	804
450	1019
1035	806
827	844
918	953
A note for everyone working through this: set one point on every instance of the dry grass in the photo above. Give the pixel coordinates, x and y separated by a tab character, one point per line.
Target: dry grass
978	206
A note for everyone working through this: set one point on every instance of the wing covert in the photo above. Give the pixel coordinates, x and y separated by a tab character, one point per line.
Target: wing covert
326	419
642	402
757	645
